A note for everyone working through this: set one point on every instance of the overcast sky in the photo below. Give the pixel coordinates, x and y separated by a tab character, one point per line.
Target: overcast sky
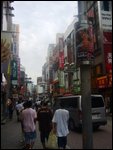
39	23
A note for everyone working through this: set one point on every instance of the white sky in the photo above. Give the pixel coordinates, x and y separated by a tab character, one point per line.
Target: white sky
39	23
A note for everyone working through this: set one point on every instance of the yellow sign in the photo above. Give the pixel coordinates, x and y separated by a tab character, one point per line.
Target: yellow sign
5	46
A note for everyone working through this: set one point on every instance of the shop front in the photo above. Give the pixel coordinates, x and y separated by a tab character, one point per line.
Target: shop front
104	86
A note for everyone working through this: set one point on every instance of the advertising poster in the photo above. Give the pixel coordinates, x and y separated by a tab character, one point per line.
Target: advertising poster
85	40
5	51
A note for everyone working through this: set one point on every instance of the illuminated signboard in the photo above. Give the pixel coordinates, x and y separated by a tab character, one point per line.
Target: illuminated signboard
102	82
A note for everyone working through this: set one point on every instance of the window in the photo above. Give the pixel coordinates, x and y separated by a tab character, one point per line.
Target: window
97	102
105	5
70	102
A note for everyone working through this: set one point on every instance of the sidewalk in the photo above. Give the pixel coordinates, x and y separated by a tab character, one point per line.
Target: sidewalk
11	135
109	120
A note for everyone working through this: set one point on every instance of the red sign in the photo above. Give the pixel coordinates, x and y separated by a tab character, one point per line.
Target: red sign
102	82
90	13
61	60
107	37
108	57
108	50
110	80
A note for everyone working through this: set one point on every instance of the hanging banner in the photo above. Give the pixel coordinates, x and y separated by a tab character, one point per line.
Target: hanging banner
61	60
108	57
5	50
14	72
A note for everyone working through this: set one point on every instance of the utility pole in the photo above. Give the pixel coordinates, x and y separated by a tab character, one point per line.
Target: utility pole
86	105
84	61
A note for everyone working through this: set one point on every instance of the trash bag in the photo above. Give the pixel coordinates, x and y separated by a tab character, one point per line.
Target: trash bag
52	141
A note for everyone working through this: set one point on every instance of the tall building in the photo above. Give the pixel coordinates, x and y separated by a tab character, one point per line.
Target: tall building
15	69
6	35
6	40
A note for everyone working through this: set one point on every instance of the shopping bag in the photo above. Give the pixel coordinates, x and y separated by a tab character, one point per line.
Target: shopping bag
52	141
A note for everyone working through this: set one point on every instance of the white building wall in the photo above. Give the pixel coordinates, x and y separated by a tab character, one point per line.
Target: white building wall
69	29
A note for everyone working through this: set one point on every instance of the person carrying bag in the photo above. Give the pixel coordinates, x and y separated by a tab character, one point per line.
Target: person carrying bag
52	141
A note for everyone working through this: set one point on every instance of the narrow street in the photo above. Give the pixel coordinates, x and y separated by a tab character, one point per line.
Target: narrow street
11	136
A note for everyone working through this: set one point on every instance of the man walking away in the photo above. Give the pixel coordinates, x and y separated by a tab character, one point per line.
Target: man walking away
28	117
60	126
44	117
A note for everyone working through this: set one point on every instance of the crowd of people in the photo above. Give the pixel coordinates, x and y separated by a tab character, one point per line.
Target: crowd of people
29	113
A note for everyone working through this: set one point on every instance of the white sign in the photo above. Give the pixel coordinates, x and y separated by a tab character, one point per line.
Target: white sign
14	82
106	17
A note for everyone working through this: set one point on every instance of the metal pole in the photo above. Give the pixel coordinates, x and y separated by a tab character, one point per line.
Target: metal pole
86	105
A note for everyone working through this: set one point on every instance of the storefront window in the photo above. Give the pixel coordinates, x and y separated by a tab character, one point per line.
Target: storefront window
105	5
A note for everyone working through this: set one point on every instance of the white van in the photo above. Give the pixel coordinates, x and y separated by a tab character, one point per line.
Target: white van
73	105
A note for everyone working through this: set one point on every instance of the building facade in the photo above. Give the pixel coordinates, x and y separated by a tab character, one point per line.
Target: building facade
98	15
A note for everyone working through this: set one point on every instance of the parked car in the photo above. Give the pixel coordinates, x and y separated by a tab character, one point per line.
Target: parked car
73	105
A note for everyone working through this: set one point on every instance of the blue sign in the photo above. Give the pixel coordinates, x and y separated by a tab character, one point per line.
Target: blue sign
14	71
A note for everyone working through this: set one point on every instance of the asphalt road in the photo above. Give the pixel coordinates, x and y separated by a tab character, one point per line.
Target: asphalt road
102	138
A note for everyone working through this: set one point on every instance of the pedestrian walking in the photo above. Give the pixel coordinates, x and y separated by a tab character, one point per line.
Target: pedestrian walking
28	118
44	117
37	105
60	125
10	107
19	107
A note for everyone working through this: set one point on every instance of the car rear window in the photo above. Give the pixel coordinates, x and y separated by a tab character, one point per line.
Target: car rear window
97	102
70	102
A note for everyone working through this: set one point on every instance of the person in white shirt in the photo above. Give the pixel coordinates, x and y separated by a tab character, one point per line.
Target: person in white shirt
60	126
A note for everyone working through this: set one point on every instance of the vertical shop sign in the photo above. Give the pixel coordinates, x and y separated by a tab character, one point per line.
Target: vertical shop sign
61	60
108	50
14	72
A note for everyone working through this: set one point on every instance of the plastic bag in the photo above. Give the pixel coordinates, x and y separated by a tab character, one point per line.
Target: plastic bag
52	141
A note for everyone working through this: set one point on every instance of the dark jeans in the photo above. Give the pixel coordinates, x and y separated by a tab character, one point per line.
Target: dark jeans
62	141
44	135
